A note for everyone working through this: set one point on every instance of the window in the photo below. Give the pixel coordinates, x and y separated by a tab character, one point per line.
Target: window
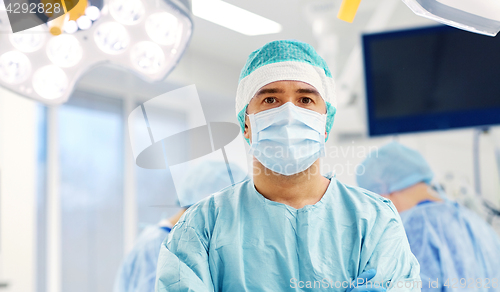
91	188
91	141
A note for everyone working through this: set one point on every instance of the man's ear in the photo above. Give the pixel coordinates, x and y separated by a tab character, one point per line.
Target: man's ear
246	133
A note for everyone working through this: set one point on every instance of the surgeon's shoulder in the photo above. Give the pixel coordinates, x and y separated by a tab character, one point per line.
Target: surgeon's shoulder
366	200
205	213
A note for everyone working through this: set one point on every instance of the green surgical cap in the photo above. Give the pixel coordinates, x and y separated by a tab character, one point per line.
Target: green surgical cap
392	168
285	60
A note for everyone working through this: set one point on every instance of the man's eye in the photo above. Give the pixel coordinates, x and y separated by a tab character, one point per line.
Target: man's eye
306	100
270	100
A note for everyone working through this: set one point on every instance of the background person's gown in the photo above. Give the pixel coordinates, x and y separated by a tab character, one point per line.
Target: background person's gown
452	243
137	272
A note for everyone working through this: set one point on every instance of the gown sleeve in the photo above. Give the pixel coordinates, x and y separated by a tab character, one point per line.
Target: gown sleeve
183	264
397	267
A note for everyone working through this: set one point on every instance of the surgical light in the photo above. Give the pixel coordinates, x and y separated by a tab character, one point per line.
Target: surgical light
127	11
234	17
64	50
70	26
93	13
15	67
50	82
162	28
28	41
478	16
147	57
84	22
112	38
44	63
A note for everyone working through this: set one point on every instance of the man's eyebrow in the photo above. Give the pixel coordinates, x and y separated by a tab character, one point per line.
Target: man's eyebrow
269	90
308	90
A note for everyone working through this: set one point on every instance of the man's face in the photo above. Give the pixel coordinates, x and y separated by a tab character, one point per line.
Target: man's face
278	93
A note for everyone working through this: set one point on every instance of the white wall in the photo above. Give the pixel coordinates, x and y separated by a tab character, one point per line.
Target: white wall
446	151
17	192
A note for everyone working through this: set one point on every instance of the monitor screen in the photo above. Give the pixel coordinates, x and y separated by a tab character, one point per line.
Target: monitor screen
431	78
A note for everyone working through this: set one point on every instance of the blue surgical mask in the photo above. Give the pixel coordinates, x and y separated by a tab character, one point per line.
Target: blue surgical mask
288	139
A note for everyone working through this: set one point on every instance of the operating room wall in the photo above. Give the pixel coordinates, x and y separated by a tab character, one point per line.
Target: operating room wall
450	154
18	201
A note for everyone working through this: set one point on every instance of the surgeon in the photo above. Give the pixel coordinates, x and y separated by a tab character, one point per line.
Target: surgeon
456	249
138	270
289	228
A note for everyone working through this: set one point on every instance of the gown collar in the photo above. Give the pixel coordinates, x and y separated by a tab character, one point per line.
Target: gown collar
306	208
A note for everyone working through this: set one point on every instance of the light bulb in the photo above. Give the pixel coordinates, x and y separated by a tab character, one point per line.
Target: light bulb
84	22
162	28
70	26
28	41
127	11
4	20
50	82
64	50
15	67
147	57
111	38
93	13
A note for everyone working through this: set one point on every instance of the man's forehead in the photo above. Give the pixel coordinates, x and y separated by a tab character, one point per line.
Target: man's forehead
281	87
284	86
288	83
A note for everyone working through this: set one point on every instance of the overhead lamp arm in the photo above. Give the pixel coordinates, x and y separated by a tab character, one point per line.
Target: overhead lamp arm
348	10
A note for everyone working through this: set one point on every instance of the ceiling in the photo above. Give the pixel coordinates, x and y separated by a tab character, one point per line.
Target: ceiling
216	54
296	17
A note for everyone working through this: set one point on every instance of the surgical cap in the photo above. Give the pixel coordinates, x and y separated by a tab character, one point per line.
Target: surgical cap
207	178
285	60
392	168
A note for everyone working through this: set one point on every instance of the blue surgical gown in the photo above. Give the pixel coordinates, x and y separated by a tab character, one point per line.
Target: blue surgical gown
237	240
452	243
138	270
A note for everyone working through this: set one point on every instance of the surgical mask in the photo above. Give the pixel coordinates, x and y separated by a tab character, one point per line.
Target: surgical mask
288	139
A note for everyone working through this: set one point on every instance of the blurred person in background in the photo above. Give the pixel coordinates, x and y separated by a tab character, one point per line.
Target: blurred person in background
454	246
137	272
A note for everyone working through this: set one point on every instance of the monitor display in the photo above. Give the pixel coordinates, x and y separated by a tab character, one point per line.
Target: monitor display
432	78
